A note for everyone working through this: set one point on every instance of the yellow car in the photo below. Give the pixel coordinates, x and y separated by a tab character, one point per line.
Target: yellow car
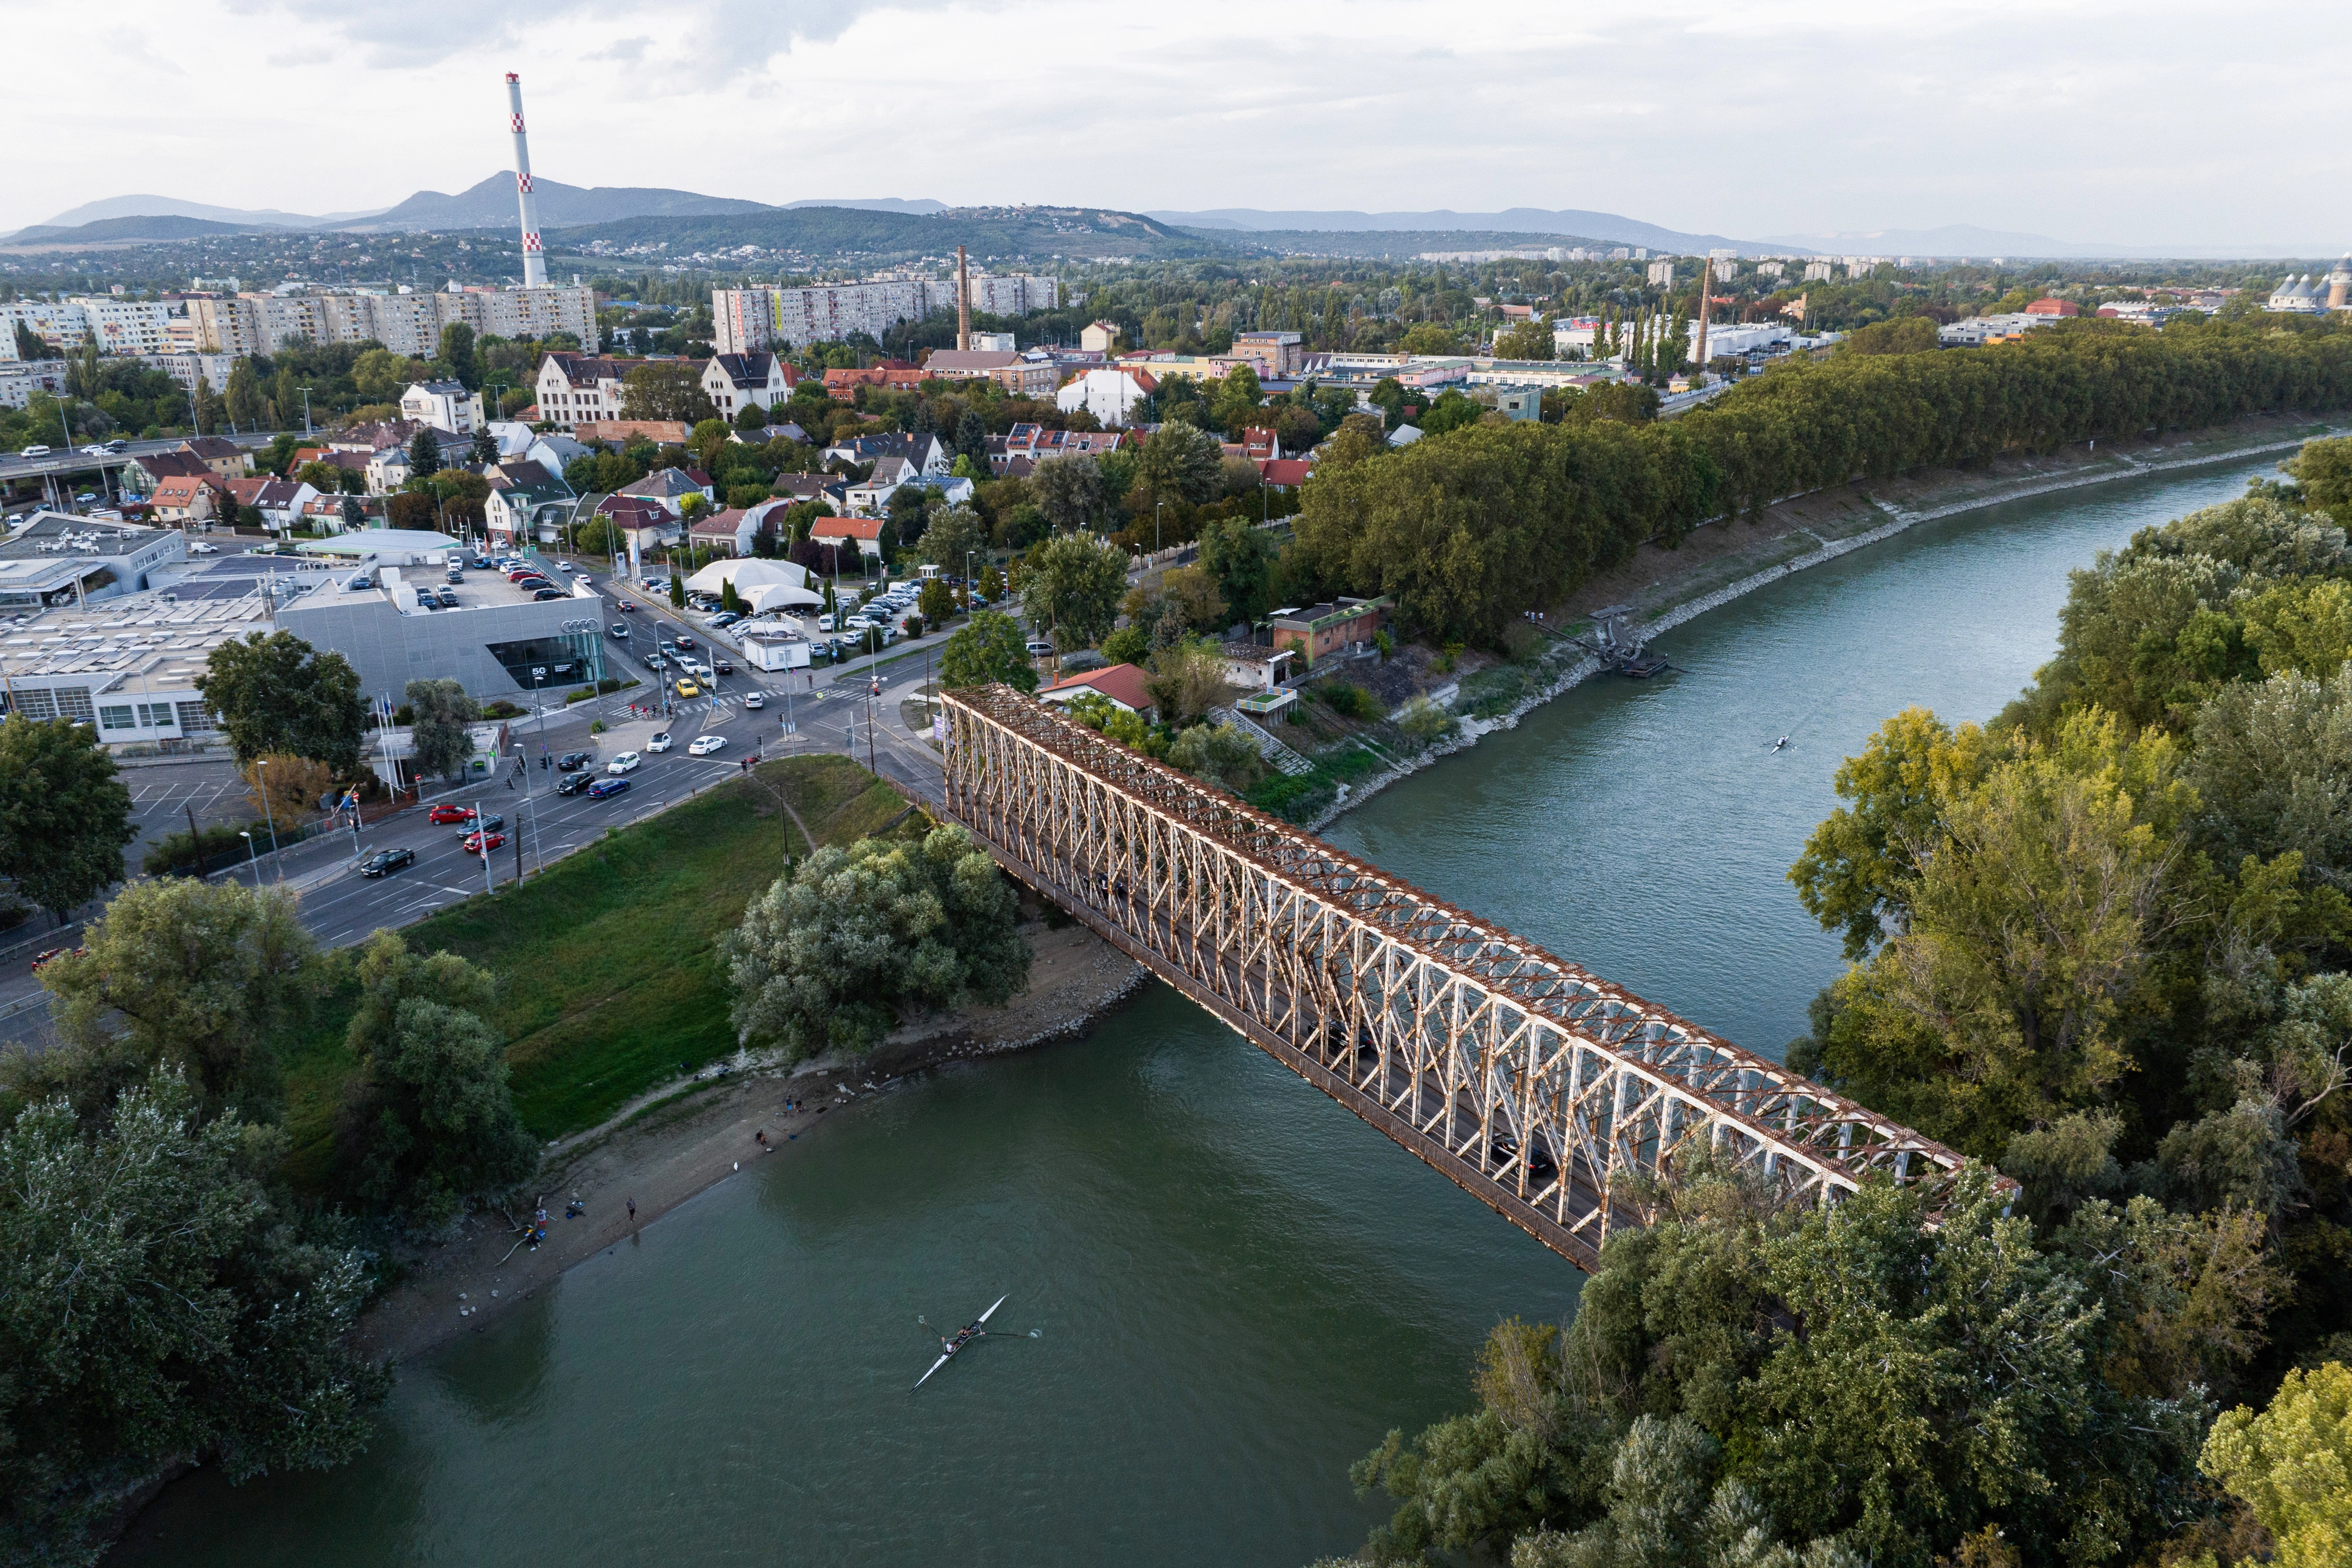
688	689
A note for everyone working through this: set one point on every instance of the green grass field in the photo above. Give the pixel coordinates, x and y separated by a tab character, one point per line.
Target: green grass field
608	978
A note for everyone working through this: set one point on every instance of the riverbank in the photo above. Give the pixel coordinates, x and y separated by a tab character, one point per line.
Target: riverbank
682	1140
1722	561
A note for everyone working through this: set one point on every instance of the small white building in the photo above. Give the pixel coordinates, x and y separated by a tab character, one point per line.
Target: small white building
444	405
1111	395
734	383
773	647
1098	337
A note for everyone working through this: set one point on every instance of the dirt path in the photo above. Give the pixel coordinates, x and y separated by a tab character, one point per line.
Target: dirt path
679	1141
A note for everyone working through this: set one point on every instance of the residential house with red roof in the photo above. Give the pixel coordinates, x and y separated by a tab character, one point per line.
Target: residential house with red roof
279	501
1124	684
192	501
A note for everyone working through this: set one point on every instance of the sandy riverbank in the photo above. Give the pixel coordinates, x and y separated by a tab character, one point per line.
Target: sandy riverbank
1719	562
682	1140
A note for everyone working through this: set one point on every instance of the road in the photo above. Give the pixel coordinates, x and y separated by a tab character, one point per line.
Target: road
340	906
62	462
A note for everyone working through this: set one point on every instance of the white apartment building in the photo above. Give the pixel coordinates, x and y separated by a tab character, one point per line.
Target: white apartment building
445	405
408	324
574	388
121	326
1662	275
745	320
736	381
1818	271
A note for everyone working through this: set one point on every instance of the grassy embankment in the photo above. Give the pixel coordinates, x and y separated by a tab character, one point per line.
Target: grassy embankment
608	980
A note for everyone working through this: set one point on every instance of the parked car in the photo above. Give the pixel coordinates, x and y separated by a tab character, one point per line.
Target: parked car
383	860
550	593
1038	647
725	619
474	844
449	813
660	742
572	783
704	745
688	689
572	761
203	546
754	701
603	787
447	599
627	762
824	624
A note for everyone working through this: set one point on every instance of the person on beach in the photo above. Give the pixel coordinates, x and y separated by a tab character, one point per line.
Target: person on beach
633	1211
763	1137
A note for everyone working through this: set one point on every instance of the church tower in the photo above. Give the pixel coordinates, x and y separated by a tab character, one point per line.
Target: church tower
2339	285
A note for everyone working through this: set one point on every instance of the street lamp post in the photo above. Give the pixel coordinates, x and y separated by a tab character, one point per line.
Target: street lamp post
251	858
272	816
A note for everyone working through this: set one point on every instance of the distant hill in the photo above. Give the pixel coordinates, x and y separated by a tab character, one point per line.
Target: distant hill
491	204
1607	227
876	205
131	228
152	206
1034	232
1392	244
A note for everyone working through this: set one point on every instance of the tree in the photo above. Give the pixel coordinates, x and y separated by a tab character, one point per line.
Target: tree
285	789
1219	753
751	416
987	648
1180	463
1240	400
1241	561
2268	766
1069	491
432	1118
486	446
971	439
2292	1465
441	714
953	539
1188	678
831	957
64	815
668	390
1190	594
1529	339
423	454
1910	335
676	590
1072	588
155	1302
457	353
196	976
936	602
275	692
246	405
2323	473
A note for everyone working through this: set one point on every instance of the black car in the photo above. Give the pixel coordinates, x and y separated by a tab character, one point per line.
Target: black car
550	593
573	783
572	761
490	824
383	860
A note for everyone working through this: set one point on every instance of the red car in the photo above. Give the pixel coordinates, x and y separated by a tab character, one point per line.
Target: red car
472	843
445	813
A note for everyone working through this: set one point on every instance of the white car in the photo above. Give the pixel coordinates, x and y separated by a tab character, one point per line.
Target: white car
661	742
34	452
754	701
1038	647
704	745
95	449
824	624
201	548
624	763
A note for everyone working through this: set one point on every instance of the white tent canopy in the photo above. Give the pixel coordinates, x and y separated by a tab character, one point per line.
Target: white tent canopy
771	597
747	575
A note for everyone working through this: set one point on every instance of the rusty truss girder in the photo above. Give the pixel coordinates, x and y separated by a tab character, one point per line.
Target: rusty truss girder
1544	1091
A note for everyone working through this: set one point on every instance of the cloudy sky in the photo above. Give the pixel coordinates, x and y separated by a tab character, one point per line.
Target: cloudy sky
2155	123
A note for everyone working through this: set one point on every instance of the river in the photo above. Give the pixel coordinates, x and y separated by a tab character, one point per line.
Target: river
1236	1285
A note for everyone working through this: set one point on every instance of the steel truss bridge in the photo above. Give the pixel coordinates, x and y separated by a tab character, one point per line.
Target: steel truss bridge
1544	1091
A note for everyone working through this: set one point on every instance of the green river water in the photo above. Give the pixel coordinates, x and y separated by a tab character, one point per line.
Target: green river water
1238	1287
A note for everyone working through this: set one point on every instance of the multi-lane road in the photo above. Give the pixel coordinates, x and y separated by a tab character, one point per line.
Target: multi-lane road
339	905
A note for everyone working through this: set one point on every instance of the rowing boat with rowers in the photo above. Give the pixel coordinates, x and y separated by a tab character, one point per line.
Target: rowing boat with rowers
950	1343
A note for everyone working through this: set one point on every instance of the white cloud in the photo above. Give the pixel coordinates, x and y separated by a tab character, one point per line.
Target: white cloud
2098	121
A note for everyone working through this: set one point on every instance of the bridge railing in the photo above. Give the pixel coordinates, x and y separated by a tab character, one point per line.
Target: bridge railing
1545	1090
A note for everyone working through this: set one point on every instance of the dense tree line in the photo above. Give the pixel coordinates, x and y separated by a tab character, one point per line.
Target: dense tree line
1474	527
2103	946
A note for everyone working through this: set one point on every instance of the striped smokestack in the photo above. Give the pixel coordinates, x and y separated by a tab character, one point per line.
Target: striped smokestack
1706	287
534	259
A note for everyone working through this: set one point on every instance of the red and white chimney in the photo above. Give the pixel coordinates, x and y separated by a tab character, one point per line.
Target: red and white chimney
534	259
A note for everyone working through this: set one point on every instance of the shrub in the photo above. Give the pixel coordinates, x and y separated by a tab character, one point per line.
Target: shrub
1348	700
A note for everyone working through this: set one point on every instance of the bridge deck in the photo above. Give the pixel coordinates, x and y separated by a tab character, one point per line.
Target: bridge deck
1544	1091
